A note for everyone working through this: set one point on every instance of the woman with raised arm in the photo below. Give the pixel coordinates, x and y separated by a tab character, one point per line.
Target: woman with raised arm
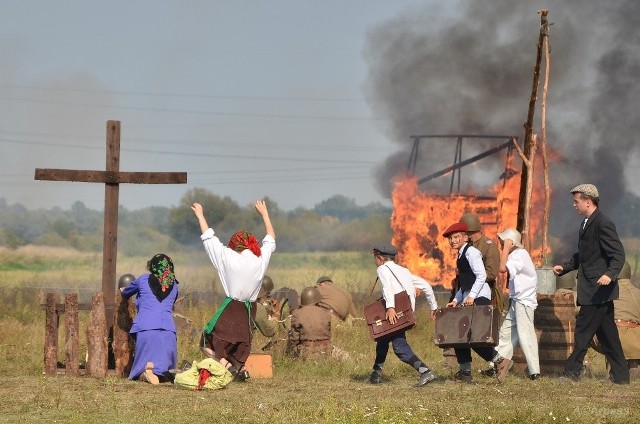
241	266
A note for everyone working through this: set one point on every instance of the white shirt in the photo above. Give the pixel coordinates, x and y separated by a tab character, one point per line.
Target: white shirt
479	288
523	279
407	282
240	273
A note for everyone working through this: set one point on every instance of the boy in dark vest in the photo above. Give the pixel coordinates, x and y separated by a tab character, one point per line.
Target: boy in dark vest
473	290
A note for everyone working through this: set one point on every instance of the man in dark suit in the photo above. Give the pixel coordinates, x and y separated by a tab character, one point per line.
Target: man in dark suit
599	260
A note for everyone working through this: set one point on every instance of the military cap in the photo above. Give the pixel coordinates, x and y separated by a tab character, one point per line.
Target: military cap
586	189
385	249
472	221
125	280
458	227
323	279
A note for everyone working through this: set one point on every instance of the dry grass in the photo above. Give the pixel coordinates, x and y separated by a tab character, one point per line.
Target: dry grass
316	392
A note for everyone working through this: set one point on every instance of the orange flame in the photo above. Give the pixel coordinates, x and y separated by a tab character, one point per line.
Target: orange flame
420	218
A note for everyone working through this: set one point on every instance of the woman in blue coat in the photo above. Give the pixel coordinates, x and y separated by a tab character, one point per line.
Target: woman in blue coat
154	330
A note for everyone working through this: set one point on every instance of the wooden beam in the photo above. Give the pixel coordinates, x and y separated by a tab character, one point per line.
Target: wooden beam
90	176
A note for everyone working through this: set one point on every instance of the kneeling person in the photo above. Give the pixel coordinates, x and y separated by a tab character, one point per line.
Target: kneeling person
310	333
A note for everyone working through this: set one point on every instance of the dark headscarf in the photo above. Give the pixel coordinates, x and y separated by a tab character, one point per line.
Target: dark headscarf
162	277
245	240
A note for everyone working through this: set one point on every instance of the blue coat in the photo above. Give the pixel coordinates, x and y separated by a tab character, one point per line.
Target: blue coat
152	314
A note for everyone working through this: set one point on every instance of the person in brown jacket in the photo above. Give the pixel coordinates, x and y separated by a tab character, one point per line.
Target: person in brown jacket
335	298
491	261
310	332
490	255
626	311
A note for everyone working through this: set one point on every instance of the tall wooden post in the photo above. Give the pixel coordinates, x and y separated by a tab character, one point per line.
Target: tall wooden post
524	199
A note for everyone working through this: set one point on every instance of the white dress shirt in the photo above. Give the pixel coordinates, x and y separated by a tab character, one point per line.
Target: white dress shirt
405	281
240	273
479	288
523	279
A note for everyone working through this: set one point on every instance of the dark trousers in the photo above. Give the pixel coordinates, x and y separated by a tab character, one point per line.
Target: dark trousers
598	320
400	347
463	354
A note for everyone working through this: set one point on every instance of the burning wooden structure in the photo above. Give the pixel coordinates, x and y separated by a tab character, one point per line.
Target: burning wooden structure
420	217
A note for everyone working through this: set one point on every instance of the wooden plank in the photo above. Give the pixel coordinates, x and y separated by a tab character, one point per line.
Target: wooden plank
97	362
71	325
51	335
109	177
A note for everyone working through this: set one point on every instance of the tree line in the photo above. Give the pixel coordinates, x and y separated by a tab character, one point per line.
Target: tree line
335	224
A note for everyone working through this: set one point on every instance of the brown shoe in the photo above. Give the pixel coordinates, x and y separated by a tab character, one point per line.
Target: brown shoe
503	366
148	374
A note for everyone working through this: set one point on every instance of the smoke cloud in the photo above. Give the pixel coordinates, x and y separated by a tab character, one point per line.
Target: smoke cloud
471	72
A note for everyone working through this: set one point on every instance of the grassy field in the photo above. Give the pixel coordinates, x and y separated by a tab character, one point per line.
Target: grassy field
317	392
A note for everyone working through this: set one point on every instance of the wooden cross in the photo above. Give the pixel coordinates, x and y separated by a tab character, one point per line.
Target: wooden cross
111	178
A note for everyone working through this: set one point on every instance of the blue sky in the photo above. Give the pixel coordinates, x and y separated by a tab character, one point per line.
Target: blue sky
301	100
249	98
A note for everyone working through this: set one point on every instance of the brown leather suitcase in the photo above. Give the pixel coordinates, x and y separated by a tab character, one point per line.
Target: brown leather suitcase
379	326
467	326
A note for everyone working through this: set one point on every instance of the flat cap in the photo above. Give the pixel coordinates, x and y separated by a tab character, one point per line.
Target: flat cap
458	227
323	279
586	189
385	249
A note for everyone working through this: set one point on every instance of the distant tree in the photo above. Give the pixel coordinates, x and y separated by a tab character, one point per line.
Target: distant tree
154	216
183	225
341	207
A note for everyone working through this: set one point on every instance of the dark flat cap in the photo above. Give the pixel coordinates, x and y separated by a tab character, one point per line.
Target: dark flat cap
385	249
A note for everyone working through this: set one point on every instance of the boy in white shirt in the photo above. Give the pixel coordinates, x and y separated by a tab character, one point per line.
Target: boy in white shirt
518	324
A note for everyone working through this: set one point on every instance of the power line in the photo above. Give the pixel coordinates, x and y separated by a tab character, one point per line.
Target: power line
197	96
208	155
197	112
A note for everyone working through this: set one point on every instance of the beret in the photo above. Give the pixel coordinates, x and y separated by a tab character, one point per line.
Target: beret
586	189
458	227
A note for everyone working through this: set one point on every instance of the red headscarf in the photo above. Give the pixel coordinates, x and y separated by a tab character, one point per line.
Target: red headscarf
245	240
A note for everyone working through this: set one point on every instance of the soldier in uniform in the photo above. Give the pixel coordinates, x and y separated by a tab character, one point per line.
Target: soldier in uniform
335	298
490	255
267	309
310	333
491	261
626	312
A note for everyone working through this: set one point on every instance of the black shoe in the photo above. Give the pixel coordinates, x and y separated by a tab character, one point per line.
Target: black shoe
242	375
568	377
426	378
534	376
462	377
489	372
375	378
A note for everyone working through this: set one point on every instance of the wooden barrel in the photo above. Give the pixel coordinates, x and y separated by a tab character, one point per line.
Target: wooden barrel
555	322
